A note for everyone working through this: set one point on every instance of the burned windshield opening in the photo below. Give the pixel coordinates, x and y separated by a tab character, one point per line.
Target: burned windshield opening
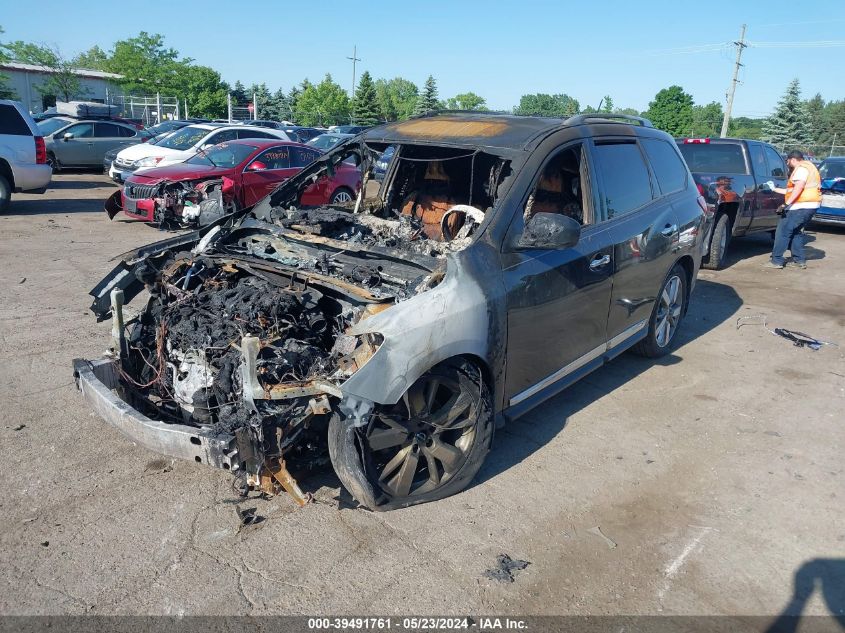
431	200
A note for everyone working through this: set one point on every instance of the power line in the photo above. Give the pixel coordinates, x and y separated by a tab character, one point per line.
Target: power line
809	44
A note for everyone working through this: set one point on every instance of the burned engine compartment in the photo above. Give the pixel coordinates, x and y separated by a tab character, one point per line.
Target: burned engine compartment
245	336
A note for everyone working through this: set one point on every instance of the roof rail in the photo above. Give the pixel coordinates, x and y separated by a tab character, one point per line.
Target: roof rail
578	119
428	113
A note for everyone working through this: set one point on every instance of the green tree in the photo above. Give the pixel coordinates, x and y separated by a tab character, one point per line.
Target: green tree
62	82
396	98
671	111
745	127
324	104
5	91
540	104
278	108
706	120
789	126
427	100
606	104
264	98
204	90
238	93
94	58
466	101
293	97
146	64
365	108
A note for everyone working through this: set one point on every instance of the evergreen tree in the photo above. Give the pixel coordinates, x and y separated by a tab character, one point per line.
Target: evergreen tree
365	108
789	127
427	101
239	94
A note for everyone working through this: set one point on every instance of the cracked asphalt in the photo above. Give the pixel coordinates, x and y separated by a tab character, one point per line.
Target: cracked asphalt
714	476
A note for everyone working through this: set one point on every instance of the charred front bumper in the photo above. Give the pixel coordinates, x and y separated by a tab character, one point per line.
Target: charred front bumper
98	382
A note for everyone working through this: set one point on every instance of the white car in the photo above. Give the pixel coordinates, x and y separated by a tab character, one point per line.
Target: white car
182	145
23	154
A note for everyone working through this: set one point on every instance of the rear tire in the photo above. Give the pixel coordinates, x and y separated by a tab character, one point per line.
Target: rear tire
426	447
5	194
54	162
342	195
669	310
718	243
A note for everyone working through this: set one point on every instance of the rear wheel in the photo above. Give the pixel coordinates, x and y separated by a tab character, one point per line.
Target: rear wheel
719	243
5	193
669	310
54	162
342	195
427	446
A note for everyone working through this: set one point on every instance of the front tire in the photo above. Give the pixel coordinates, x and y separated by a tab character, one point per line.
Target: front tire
718	243
5	194
669	310
427	446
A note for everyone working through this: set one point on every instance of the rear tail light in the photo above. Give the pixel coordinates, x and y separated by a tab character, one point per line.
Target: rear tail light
40	151
693	141
700	188
703	204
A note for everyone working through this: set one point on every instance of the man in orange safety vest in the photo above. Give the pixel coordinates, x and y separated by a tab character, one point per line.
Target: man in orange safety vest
802	198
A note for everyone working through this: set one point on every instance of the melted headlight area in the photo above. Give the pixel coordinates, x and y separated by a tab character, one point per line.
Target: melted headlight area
253	355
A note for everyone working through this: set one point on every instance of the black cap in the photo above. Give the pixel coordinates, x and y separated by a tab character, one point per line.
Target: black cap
795	154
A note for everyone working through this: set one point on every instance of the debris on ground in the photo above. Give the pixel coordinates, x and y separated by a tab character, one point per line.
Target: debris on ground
248	516
799	339
505	566
23	279
20	427
611	544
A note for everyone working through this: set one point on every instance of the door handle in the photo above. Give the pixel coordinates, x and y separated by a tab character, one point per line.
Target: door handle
599	261
669	230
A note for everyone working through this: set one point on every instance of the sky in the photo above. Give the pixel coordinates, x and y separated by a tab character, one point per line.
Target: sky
499	50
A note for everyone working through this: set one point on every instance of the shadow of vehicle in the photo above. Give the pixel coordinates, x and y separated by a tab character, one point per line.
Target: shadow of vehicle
828	576
761	244
56	206
712	304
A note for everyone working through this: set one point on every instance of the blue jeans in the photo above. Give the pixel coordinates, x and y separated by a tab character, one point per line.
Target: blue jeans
790	235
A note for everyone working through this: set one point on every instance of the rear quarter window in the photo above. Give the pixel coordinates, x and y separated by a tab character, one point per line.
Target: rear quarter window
668	166
719	158
11	121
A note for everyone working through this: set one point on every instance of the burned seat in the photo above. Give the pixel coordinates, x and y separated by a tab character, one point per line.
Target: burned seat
558	190
430	201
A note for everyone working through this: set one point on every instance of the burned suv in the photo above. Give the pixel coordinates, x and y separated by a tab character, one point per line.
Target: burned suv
500	259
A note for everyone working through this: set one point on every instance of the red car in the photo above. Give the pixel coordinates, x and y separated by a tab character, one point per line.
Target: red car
224	178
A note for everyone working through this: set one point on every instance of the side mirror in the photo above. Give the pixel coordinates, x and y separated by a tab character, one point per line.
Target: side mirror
256	165
550	230
207	146
67	136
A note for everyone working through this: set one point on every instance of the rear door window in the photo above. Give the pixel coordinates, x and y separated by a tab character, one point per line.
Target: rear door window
126	132
302	156
11	121
667	164
107	130
714	158
776	167
758	160
625	182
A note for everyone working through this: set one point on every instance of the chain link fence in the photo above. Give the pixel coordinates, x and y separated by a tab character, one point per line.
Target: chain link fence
148	109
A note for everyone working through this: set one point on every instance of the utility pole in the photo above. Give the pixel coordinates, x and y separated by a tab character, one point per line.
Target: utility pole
739	46
354	59
832	144
254	107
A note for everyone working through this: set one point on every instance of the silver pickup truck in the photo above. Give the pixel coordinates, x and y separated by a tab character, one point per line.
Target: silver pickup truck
23	155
